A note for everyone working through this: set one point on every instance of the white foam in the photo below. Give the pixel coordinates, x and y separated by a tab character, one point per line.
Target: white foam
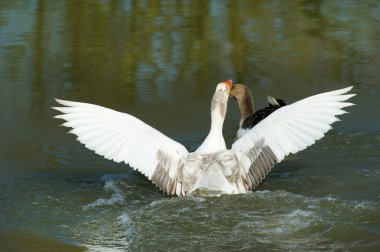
299	219
300	213
117	196
364	205
331	198
124	219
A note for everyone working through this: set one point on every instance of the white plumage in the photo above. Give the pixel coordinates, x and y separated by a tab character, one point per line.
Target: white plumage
118	136
294	127
212	169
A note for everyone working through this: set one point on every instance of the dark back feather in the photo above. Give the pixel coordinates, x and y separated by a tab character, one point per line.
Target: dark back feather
261	114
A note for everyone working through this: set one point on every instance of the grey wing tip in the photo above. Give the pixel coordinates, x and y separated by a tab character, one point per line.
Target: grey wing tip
272	100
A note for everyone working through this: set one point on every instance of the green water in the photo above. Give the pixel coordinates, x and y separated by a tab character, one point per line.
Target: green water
160	61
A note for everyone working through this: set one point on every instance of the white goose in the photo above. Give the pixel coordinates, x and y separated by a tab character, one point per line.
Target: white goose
212	169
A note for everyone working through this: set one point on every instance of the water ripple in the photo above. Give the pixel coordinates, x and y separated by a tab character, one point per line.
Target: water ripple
264	219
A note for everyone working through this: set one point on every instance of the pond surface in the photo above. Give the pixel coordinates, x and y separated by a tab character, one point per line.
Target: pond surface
160	61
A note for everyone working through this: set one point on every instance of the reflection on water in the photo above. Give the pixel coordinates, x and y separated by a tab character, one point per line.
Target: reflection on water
144	50
145	57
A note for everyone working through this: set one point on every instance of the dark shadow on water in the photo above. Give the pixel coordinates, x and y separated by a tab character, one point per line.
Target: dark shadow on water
13	240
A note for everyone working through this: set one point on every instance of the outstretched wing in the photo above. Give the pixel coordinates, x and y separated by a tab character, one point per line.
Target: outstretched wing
121	137
289	129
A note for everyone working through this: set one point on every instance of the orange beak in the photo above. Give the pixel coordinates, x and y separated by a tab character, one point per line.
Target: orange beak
229	84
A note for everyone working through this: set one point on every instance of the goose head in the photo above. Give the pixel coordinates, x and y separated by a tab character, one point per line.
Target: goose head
243	96
239	91
220	98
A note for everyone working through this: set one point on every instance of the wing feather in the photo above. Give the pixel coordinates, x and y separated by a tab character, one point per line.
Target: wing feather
289	129
124	138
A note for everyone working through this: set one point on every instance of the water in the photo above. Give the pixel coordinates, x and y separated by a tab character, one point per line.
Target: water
160	61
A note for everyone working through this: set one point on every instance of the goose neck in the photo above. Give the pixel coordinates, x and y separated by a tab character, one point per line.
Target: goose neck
246	105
